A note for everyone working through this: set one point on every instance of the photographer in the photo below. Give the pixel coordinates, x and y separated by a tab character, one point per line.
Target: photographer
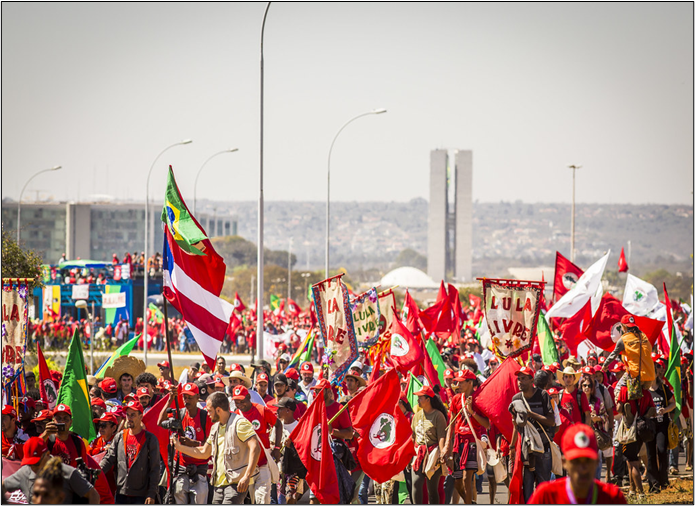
135	452
189	484
35	458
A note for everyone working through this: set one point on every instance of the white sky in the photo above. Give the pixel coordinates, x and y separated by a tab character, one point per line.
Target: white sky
102	88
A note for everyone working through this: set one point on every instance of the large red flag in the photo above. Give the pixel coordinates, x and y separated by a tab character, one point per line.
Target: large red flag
605	328
292	308
622	263
458	314
385	444
310	438
238	304
516	483
410	314
494	396
405	351
439	317
47	387
149	420
566	275
573	328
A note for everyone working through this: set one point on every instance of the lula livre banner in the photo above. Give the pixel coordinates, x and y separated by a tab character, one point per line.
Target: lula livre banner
366	316
14	322
337	327
387	310
511	311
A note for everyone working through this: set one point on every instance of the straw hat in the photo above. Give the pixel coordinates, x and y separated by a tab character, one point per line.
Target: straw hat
360	380
571	361
568	370
238	374
125	365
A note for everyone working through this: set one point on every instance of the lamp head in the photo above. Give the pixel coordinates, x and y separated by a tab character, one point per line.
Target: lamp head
82	304
57	167
379	111
186	141
232	150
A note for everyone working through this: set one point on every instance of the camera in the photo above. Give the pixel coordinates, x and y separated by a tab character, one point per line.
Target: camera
172	424
88	474
61	427
192	472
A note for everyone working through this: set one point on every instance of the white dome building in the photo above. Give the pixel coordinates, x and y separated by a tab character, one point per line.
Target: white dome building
408	277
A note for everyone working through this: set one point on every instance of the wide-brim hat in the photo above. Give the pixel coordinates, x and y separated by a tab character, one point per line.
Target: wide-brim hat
362	382
125	365
244	379
570	361
568	370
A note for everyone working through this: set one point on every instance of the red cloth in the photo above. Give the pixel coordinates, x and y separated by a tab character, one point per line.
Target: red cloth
66	450
461	424
406	352
263	421
12	450
570	407
193	429
516	483
566	274
555	492
410	314
439	316
494	396
343	421
622	263
645	402
572	328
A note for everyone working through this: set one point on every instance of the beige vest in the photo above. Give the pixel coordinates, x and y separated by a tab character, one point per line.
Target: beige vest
236	452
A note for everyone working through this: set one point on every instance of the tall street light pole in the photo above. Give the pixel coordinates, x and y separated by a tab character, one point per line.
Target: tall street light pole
195	183
19	202
574	172
289	272
328	181
259	288
147	237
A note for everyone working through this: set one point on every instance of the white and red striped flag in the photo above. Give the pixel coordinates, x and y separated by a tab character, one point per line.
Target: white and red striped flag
193	275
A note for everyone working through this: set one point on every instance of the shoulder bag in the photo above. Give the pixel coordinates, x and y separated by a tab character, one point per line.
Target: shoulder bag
555	452
481	456
673	432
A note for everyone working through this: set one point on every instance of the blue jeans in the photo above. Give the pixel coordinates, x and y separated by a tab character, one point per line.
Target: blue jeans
364	490
544	465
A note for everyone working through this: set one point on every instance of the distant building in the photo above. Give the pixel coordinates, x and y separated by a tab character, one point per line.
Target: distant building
96	231
450	220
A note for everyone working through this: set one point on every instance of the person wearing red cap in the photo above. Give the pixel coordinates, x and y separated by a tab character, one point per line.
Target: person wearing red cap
135	454
636	350
429	434
308	380
35	459
261	387
13	437
464	419
107	426
539	413
196	430
580	460
263	421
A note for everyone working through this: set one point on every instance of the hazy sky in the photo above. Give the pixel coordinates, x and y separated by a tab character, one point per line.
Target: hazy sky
102	88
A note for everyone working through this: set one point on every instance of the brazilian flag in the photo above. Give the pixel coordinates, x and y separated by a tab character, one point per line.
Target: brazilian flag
75	393
414	386
274	302
183	227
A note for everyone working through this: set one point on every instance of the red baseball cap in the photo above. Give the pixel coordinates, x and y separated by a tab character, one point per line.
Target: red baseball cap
62	408
42	415
143	392
134	405
628	319
321	384
236	367
307	367
588	370
426	390
525	370
98	401
597	369
130	397
292	373
107	417
448	374
464	375
9	410
601	359
28	401
262	377
617	367
239	393
108	385
579	441
552	391
34	449
218	384
164	364
190	389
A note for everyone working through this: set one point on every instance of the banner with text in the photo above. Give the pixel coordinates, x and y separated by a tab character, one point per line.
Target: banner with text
387	309
337	327
14	323
511	311
365	315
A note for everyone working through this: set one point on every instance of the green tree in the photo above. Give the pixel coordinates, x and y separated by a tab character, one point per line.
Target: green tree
411	258
20	263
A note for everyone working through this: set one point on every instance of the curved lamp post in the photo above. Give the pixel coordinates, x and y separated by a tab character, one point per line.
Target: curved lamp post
328	186
195	183
19	202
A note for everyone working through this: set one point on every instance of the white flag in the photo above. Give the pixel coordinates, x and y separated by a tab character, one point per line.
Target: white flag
639	297
588	287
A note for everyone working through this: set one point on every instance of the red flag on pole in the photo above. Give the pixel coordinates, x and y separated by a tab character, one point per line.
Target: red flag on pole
385	444
622	263
566	276
292	308
149	420
238	304
494	397
573	328
405	351
410	314
47	387
310	438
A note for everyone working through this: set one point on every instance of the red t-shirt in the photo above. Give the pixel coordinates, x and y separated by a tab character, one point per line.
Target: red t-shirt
343	421
66	450
645	402
568	403
263	421
462	426
12	450
98	446
192	429
133	445
555	492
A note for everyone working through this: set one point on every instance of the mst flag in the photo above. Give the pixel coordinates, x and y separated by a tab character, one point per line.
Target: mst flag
639	297
566	276
238	304
184	229
74	391
405	350
46	385
410	314
587	288
385	444
193	282
494	396
310	438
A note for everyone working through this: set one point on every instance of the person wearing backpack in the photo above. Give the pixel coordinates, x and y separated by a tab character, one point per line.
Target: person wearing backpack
657	448
190	485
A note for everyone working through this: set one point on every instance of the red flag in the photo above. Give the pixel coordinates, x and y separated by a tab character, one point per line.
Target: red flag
405	349
292	308
234	324
516	484
410	314
666	350
604	329
573	328
458	314
385	444
149	420
439	316
474	301
622	263
428	367
310	438
494	396
566	275
48	390
238	304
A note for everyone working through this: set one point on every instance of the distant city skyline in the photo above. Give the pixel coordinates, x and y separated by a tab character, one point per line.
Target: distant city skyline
102	88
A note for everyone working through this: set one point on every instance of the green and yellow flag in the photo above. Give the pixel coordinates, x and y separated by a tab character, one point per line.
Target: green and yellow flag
183	227
74	391
274	302
673	369
546	342
437	360
124	349
414	386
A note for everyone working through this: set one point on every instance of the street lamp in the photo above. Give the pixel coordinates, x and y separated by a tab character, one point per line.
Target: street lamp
19	202
147	222
328	183
82	304
574	171
195	183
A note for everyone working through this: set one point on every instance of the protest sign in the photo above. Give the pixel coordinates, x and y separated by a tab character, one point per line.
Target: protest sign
366	318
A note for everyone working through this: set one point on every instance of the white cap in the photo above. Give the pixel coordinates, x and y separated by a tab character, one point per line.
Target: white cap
357	365
285	356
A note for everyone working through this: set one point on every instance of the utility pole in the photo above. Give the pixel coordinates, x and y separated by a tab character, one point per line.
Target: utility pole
574	171
289	271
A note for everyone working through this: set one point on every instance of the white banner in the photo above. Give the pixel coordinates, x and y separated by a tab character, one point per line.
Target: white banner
112	300
13	325
80	292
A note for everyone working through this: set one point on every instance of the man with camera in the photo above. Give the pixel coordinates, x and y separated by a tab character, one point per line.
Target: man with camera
234	449
189	485
135	452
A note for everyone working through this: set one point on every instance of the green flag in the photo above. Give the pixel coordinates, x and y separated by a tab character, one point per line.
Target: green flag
436	358
74	391
308	350
673	372
156	314
124	349
414	386
182	226
546	342
274	302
